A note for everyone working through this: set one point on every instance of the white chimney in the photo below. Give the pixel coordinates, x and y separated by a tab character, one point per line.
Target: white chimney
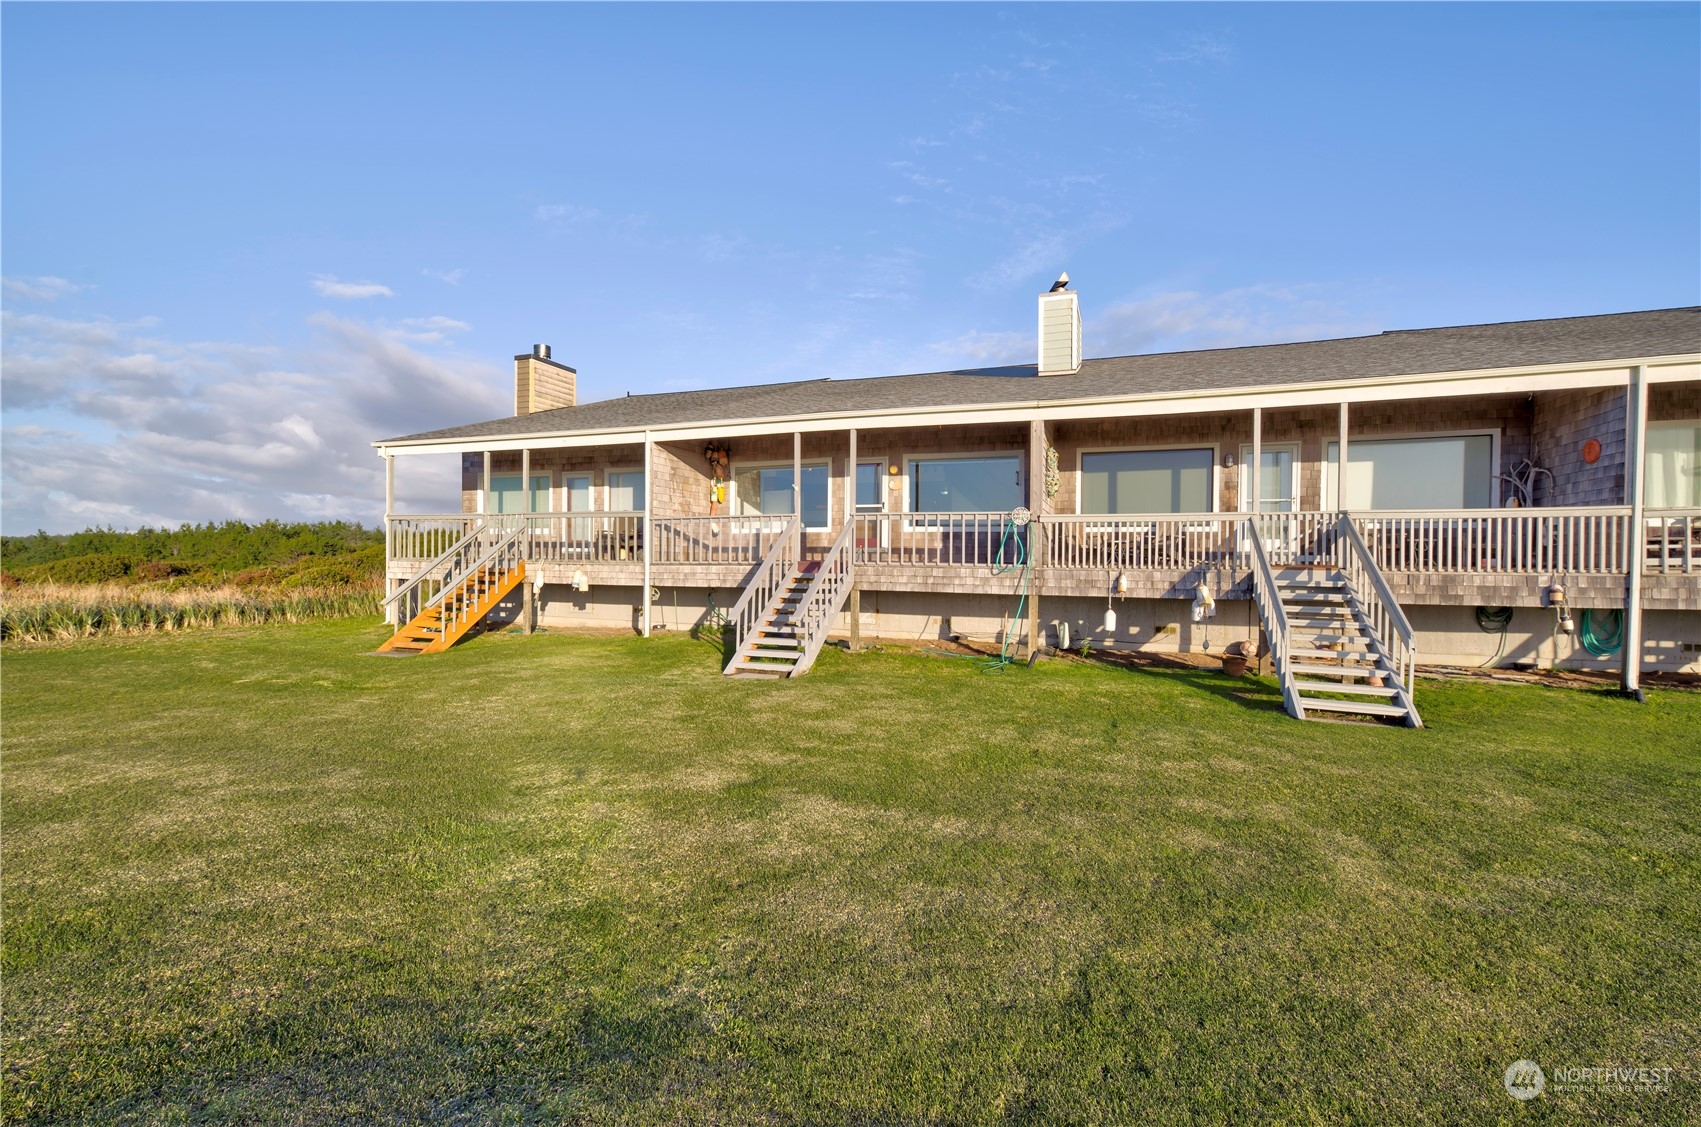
1059	330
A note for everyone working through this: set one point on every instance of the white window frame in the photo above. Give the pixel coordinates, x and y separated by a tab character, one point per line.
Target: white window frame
1328	478
608	488
1293	472
751	521
525	486
911	460
1215	489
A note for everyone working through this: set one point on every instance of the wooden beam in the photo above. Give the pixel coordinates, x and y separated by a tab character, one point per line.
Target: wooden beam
855	602
797	489
1341	474
484	486
1254	473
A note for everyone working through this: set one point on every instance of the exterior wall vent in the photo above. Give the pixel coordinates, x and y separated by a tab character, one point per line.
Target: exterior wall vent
1059	330
542	384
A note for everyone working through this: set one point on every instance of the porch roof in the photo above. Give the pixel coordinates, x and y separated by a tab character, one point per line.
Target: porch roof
1513	344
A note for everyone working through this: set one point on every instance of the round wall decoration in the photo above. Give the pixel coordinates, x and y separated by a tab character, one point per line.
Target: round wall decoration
1592	451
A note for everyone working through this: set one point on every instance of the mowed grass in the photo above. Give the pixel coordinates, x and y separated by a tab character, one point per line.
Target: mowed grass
256	876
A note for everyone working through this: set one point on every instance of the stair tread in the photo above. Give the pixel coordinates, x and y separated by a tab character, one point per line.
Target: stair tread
1330	653
1300	667
1364	707
1342	687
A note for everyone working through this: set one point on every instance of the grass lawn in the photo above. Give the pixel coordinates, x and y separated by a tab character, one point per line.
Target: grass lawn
256	876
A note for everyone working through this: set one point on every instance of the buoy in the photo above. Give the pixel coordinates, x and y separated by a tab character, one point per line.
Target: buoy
1109	621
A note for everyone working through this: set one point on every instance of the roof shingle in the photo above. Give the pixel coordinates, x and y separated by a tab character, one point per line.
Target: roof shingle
1659	332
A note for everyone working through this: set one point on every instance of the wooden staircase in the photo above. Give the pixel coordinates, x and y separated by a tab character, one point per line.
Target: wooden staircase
1340	642
453	593
1336	661
774	647
788	607
443	623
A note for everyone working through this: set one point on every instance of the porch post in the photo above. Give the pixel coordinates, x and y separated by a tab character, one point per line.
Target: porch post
649	503
389	511
1635	457
1255	471
526	480
484	486
1036	531
850	518
797	489
1341	469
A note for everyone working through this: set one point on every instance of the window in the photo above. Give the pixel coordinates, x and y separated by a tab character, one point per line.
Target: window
1147	481
1278	485
1673	465
869	492
1414	473
966	485
506	496
766	491
576	493
625	491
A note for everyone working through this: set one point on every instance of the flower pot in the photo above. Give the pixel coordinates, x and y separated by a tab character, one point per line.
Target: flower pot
1234	665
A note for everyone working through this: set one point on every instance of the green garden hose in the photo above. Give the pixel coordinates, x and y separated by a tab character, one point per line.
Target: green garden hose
1597	643
1012	538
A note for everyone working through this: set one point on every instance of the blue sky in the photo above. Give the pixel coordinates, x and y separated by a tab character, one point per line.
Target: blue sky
241	241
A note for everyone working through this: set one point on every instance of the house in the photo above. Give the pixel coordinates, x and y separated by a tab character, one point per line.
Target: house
1527	493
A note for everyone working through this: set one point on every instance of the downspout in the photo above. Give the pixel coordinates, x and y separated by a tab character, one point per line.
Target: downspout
1635	454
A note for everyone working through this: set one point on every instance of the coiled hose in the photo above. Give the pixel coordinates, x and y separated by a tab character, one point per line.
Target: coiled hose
1598	643
1495	620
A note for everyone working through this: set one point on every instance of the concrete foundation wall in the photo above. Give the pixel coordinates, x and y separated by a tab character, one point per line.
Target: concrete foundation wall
1447	635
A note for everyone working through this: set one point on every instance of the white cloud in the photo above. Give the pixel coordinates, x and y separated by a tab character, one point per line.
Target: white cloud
121	429
562	217
44	287
1186	319
978	349
329	286
448	277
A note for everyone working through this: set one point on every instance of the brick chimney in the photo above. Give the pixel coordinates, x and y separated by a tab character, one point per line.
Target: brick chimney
542	384
1059	330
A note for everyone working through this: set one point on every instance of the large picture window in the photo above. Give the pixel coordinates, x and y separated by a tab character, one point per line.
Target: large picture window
1673	466
966	485
1453	472
506	496
766	491
1147	481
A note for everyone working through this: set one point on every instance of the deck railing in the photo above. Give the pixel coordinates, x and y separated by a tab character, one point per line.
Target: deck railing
1274	618
1142	543
824	599
759	590
1500	541
1391	632
713	540
1672	542
1546	541
937	539
429	535
449	567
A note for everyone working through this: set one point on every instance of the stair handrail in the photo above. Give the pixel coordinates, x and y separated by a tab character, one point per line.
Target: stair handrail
445	559
507	553
1391	631
826	594
760	588
1269	599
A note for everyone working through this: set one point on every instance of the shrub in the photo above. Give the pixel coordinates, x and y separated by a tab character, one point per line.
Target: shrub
95	567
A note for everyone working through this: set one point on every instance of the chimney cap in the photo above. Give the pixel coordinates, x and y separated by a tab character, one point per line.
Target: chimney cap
541	351
1062	282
